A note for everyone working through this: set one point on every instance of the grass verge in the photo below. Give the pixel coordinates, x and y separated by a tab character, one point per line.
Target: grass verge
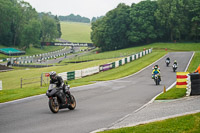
182	124
173	93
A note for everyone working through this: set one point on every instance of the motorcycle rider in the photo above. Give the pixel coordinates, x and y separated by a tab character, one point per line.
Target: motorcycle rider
156	66
168	59
55	79
175	63
156	71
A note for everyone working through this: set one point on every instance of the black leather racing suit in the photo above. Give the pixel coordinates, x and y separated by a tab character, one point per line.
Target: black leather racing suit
60	84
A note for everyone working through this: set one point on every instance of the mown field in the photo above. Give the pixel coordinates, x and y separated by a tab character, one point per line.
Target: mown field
76	32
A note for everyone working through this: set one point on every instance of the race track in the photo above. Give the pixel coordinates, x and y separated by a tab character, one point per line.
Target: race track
98	105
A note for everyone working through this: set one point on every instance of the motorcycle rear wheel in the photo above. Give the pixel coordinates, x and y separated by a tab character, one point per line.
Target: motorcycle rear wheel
53	107
72	105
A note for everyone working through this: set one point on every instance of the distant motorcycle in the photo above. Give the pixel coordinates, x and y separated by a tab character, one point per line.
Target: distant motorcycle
156	78
59	100
174	67
167	62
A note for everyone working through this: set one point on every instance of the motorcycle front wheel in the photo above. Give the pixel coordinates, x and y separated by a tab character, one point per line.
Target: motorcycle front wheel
54	105
72	105
157	81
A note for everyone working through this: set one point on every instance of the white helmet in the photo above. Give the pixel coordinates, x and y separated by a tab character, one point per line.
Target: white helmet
52	74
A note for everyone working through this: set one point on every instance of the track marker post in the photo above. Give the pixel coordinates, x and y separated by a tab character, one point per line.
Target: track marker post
164	90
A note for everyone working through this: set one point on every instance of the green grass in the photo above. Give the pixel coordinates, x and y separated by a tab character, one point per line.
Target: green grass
195	62
176	46
76	32
173	93
182	124
45	49
16	75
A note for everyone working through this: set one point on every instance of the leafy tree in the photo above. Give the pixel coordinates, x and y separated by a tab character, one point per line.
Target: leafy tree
74	18
110	32
49	29
143	26
31	33
6	14
194	14
172	14
58	27
93	19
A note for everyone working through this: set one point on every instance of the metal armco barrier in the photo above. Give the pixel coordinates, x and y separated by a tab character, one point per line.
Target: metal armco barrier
195	83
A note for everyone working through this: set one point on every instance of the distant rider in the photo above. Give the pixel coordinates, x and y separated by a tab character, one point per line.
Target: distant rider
168	59
156	66
175	63
156	71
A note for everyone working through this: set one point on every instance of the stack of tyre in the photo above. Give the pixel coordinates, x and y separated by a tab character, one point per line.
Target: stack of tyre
195	83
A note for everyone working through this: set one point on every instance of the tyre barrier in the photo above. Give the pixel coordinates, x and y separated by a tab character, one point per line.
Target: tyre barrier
195	83
181	79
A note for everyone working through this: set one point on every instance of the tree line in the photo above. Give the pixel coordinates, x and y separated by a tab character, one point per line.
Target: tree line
74	18
147	22
21	25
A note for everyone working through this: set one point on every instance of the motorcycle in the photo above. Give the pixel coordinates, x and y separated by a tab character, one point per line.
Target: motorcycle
174	67
167	62
156	78
59	100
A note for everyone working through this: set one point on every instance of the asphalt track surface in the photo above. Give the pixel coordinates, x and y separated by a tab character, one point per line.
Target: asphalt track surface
98	105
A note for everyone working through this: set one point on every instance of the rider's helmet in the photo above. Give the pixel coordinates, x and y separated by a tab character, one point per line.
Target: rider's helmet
52	74
174	61
156	67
